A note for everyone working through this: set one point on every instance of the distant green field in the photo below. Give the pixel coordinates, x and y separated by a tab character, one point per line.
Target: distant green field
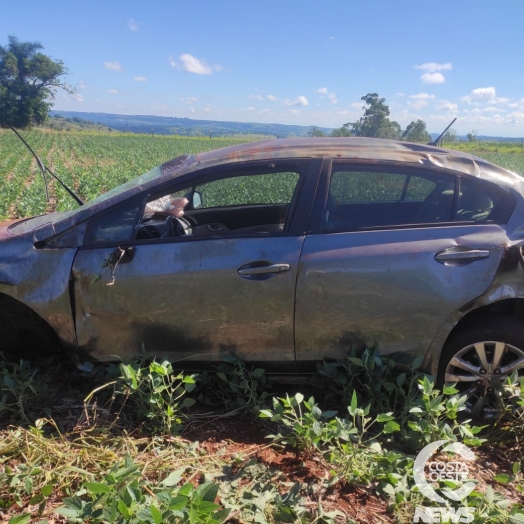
94	163
89	163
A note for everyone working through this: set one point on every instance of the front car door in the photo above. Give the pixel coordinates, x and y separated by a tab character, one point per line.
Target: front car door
226	286
393	253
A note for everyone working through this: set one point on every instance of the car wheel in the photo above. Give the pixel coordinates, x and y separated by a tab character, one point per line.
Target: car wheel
479	358
24	335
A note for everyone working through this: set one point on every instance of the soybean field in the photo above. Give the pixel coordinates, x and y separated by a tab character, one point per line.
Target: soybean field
88	163
94	163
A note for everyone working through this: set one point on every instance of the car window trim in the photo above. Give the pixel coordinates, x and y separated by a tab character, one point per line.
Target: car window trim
501	217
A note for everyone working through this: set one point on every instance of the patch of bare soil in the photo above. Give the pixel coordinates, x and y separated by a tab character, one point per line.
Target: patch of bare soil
241	438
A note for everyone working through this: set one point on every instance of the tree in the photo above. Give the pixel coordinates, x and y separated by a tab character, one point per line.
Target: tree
342	131
375	122
416	132
315	132
472	136
450	136
28	81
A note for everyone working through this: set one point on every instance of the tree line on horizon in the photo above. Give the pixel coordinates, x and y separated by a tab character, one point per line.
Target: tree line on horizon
375	123
29	80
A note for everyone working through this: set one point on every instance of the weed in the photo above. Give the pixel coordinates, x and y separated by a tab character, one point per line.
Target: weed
153	393
234	385
23	395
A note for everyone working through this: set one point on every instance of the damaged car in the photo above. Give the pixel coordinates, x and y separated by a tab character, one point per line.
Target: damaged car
283	253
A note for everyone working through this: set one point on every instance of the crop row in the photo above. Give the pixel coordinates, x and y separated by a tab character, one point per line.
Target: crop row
92	164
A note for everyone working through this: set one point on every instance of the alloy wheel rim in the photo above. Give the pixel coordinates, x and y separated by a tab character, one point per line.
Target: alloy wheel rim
479	371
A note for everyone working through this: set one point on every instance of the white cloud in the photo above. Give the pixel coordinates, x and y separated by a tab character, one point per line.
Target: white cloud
432	75
322	91
140	79
81	85
516	117
482	95
113	91
271	98
478	110
420	100
113	66
294	111
133	26
433	78
77	97
447	106
422	96
333	98
266	110
356	105
299	101
433	67
191	64
189	99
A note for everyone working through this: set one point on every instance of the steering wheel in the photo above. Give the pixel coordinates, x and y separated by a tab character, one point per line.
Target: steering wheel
177	227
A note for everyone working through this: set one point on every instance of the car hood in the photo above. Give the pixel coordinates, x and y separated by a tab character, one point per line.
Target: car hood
4	231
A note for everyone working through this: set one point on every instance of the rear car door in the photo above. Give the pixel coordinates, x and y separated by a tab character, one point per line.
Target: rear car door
227	286
393	253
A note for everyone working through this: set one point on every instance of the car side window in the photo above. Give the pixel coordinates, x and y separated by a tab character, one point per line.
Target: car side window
269	188
238	203
477	203
367	198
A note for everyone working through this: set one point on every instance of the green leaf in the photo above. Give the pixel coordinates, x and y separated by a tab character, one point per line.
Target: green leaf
47	490
502	478
391	427
20	519
37	499
156	514
97	488
186	489
490	495
28	485
69	513
173	478
354	403
517	517
188	402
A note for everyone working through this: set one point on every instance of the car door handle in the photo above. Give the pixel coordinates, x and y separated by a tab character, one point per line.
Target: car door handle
249	270
461	254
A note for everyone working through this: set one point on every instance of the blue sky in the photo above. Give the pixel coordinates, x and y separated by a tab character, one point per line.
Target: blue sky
286	61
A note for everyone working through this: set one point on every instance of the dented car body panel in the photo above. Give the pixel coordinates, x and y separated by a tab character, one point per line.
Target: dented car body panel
287	281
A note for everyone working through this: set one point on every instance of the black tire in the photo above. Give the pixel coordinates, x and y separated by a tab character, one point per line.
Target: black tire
479	358
24	335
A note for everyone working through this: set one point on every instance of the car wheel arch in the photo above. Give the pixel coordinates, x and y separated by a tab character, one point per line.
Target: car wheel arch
463	320
21	329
